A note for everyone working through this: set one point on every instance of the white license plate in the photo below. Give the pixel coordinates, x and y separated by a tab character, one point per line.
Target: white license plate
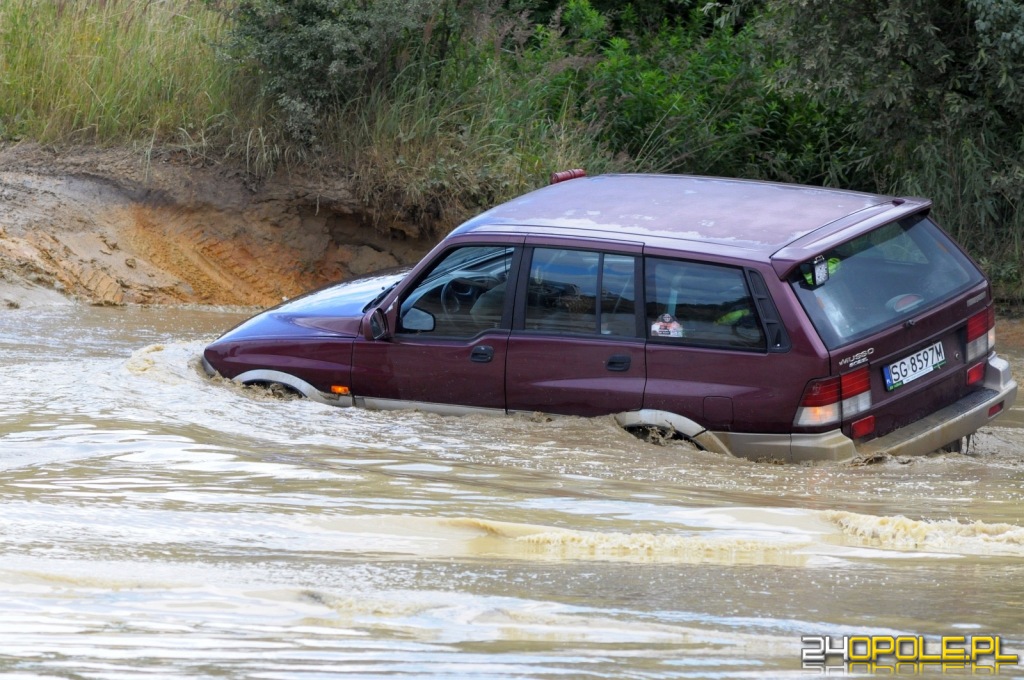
912	367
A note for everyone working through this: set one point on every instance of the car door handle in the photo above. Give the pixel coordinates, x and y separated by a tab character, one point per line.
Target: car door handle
618	362
482	354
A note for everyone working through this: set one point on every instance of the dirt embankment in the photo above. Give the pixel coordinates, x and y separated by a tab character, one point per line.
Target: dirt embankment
111	227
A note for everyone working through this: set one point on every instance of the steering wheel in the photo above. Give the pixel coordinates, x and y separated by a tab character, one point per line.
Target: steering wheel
461	290
450	299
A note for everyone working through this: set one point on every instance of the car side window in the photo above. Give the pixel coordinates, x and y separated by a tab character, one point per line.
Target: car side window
581	291
462	295
694	303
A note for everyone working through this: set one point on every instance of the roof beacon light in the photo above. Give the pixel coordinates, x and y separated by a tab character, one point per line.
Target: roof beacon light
564	175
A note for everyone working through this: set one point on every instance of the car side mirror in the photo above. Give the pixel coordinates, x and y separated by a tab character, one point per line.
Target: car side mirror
379	325
415	319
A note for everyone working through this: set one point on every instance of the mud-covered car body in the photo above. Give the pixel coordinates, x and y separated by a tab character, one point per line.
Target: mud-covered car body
760	319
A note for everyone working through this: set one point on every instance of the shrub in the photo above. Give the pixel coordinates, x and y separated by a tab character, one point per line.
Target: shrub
309	54
690	98
445	139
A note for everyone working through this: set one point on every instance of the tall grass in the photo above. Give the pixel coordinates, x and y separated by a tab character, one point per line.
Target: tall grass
976	184
444	140
107	71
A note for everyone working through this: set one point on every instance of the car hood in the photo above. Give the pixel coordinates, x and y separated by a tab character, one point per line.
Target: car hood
335	309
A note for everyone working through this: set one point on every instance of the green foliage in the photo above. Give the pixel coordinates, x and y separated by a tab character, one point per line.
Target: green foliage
584	22
309	53
977	185
443	141
655	110
689	98
886	59
633	16
910	68
999	54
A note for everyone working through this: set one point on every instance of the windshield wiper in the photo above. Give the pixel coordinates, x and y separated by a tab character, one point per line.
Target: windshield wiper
380	296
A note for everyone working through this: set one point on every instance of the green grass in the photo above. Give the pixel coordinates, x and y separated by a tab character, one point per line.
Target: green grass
444	142
110	71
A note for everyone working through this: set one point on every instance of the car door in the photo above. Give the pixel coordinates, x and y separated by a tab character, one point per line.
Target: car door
449	348
708	353
576	347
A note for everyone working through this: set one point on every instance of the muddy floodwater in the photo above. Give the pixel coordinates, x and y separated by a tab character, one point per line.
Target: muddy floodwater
156	523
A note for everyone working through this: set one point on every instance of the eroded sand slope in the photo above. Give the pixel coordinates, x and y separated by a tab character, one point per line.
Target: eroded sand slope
113	227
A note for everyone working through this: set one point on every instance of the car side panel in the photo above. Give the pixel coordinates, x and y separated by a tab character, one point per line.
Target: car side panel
579	375
320	361
722	390
433	370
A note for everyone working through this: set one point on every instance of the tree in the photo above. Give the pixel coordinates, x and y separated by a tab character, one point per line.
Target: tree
907	66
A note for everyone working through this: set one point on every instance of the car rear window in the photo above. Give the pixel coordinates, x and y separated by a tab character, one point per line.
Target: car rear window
882	278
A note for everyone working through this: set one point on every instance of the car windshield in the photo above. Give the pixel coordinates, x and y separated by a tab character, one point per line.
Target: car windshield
882	278
471	258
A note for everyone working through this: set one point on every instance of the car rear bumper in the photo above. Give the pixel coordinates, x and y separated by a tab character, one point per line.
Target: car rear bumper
924	436
955	421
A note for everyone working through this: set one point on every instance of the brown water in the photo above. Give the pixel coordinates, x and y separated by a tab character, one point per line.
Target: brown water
154	523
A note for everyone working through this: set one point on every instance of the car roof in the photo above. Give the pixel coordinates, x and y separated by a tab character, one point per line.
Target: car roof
753	219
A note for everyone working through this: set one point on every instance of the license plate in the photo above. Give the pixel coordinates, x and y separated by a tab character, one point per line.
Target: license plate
912	367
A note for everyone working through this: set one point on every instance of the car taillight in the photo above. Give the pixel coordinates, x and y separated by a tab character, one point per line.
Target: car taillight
981	334
829	400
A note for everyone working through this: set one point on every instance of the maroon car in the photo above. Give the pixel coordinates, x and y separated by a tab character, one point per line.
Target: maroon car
752	318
